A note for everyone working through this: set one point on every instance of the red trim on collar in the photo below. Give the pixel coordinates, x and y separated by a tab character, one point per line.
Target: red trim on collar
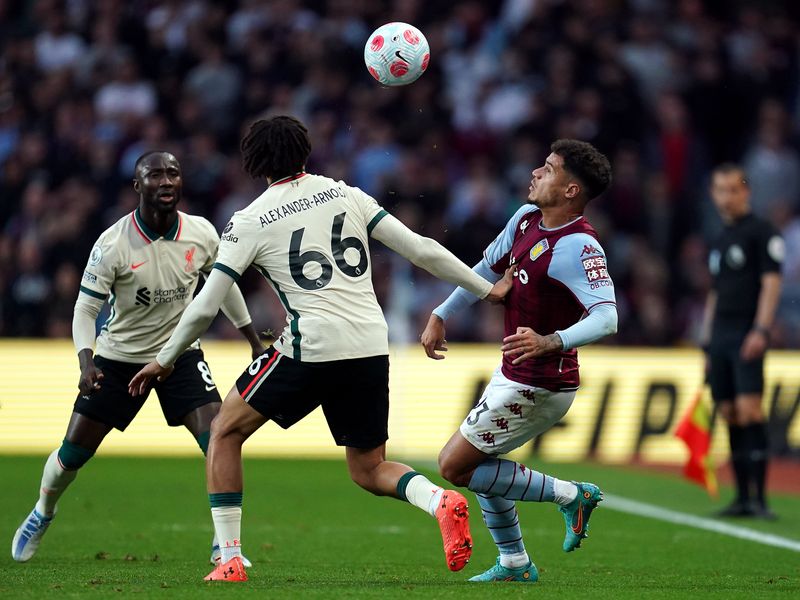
138	229
288	179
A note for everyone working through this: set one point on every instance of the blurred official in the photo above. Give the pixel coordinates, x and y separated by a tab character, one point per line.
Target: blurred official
745	263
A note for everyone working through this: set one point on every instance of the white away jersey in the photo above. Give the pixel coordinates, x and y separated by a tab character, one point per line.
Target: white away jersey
308	235
148	281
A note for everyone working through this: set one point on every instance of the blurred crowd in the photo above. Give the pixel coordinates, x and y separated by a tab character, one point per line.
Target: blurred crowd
667	89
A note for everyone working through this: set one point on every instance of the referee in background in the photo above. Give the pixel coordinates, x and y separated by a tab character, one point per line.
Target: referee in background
745	263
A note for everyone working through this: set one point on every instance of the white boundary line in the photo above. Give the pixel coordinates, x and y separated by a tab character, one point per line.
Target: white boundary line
652	511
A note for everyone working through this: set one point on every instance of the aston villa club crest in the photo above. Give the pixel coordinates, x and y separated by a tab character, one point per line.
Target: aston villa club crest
539	248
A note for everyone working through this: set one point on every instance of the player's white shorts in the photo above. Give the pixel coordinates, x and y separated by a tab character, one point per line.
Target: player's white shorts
509	414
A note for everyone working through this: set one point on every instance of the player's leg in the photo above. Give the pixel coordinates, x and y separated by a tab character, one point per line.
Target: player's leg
93	417
507	416
61	468
370	470
189	397
458	460
358	419
272	387
235	422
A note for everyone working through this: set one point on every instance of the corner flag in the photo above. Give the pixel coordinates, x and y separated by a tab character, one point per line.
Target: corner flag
694	429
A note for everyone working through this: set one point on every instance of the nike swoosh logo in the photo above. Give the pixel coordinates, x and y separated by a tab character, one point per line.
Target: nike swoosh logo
210	387
579	527
400	56
135	266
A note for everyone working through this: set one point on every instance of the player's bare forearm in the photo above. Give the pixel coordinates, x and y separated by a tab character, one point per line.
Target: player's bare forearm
91	376
552	343
251	335
85	358
432	337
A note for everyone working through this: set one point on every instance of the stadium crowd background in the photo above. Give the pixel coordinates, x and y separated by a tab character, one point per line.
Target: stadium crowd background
667	89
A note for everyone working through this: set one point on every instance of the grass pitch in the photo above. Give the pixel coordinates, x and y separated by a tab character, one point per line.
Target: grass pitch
141	528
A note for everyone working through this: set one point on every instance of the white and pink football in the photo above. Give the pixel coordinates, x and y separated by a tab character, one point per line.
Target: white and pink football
396	54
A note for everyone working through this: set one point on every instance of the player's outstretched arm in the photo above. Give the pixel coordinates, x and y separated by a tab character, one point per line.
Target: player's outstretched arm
430	255
194	322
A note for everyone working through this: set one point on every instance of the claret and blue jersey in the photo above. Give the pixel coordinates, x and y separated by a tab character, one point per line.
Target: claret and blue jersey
561	274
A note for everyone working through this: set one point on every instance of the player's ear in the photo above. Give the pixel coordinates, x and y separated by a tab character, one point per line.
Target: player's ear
573	190
136	186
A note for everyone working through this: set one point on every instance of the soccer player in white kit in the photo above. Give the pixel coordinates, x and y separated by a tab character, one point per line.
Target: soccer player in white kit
146	266
308	235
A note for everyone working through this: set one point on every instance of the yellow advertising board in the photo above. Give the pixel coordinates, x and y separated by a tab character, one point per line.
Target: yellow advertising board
627	408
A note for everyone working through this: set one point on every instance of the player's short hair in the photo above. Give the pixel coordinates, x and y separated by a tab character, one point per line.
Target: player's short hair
276	147
727	168
147	155
586	163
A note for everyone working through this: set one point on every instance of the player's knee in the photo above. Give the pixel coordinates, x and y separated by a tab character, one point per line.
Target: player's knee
364	479
72	457
451	470
221	428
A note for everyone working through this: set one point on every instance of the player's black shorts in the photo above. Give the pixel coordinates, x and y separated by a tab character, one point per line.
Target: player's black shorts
188	387
353	393
729	375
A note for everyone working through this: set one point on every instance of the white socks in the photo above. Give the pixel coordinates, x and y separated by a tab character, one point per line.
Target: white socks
55	479
515	561
228	527
564	492
424	494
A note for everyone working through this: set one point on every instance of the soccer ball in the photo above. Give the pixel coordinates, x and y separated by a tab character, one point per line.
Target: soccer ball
397	54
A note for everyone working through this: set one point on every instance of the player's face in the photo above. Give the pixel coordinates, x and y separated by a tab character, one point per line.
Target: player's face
549	183
159	183
731	195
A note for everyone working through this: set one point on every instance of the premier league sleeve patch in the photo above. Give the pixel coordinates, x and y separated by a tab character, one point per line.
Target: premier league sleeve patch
539	248
96	256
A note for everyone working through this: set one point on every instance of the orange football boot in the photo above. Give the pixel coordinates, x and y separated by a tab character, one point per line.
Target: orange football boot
454	522
233	570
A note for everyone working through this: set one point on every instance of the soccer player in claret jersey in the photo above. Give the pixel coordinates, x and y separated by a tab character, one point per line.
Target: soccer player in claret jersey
146	266
308	235
562	298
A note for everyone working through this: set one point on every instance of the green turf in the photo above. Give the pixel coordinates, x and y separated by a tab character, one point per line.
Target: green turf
140	528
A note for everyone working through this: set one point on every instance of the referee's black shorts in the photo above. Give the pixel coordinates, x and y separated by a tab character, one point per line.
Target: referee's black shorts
730	375
190	386
353	393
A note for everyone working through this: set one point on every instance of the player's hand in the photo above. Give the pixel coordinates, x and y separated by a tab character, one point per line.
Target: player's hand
754	345
433	338
257	350
142	380
526	343
502	287
90	379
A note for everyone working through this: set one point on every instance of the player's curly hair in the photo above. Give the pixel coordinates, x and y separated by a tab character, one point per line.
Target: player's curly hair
586	163
276	147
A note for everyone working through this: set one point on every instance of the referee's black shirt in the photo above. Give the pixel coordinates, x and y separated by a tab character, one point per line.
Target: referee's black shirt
744	251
